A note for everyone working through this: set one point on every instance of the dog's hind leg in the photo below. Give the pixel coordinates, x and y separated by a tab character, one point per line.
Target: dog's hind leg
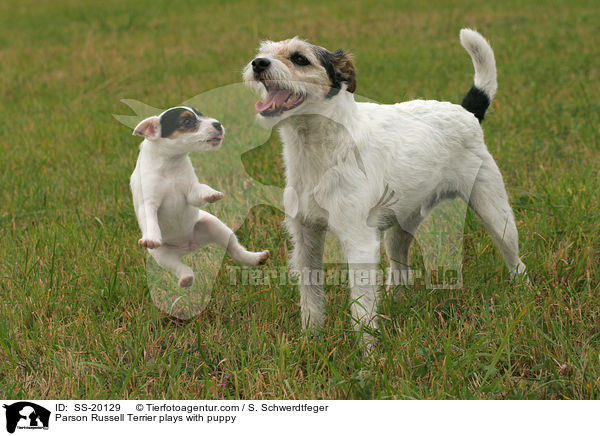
170	259
397	246
210	229
489	200
397	241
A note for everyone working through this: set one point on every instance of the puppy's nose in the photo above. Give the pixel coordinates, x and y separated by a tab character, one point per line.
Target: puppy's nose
260	64
218	126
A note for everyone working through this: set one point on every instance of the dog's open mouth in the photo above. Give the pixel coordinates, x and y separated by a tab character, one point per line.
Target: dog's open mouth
277	101
216	140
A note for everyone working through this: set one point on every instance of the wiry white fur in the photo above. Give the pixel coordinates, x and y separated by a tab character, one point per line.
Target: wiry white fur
168	198
483	61
341	158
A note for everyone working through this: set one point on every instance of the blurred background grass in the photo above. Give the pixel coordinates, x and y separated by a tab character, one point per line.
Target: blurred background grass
76	318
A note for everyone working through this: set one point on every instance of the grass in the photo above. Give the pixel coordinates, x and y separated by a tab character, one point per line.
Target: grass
76	315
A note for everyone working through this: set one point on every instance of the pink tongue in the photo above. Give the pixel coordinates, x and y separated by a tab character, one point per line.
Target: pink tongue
274	98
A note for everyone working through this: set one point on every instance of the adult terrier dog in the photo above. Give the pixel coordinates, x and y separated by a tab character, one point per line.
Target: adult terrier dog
358	169
168	198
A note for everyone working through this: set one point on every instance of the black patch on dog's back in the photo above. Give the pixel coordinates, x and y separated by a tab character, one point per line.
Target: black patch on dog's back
476	101
173	120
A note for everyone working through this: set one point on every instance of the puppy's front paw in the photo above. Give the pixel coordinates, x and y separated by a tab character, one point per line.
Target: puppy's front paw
186	282
213	196
149	243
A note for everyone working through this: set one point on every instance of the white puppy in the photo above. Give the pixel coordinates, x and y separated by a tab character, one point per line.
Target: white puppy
360	169
168	198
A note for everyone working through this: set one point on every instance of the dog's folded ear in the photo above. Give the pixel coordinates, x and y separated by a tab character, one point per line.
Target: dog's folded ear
149	128
339	67
344	68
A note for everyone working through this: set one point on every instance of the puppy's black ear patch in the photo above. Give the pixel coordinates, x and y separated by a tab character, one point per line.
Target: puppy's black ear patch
196	111
176	121
339	67
170	121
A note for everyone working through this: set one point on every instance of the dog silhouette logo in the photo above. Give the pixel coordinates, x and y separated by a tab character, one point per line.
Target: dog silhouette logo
26	415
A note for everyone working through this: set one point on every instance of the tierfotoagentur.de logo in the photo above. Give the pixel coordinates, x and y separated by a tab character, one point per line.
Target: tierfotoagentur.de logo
24	415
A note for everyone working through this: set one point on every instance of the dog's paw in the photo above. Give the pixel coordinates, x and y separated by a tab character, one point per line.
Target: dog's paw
149	243
186	282
213	196
262	257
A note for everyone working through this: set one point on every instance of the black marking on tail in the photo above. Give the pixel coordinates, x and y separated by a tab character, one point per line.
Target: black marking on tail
476	101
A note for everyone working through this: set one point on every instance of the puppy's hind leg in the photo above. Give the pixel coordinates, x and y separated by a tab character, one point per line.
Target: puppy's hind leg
209	229
170	259
489	200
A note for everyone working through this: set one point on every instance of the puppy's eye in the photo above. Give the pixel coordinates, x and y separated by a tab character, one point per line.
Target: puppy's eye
299	59
188	123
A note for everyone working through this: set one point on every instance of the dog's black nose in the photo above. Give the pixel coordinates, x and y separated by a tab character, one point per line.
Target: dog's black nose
218	126
260	64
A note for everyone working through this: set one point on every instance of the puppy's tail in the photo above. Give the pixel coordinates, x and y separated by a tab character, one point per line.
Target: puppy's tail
484	87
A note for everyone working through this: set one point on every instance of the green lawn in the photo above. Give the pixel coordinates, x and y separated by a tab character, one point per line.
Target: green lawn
76	316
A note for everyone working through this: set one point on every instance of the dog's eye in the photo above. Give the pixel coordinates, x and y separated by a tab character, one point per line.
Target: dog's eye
188	123
299	59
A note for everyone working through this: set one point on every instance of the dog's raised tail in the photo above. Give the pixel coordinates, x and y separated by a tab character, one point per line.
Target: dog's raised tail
484	87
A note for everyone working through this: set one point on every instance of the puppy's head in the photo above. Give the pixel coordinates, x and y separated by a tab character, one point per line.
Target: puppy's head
293	75
182	129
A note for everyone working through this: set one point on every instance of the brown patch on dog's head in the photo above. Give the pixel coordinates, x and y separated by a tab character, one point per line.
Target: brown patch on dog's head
177	121
282	50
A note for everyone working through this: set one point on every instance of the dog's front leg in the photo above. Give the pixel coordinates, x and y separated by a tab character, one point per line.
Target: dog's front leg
362	252
307	261
201	194
151	237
